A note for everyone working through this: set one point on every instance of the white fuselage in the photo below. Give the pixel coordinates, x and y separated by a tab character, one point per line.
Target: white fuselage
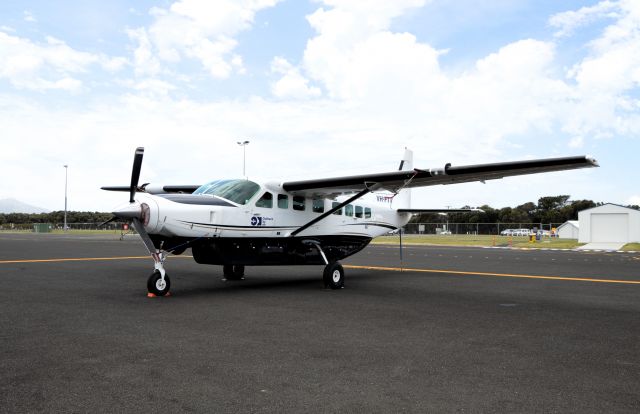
370	216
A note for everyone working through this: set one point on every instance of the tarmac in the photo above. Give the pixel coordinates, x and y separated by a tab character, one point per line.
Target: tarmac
445	329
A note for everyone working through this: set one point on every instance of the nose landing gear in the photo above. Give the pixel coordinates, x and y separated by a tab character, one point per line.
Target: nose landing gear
158	285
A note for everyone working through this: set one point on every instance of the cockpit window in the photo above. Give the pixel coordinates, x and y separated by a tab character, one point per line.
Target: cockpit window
265	201
237	191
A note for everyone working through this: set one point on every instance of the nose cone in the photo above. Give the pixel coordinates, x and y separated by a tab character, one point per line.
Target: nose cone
129	211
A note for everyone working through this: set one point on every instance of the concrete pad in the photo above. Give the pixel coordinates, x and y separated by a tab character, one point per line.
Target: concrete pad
601	246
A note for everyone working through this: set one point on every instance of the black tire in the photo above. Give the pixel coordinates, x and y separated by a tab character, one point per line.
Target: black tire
233	272
155	286
333	276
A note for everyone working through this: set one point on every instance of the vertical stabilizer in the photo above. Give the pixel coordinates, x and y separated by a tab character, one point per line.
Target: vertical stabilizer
406	164
403	198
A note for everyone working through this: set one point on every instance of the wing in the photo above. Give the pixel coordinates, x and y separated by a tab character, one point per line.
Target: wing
394	181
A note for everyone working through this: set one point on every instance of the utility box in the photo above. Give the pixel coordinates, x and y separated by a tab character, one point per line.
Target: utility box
42	228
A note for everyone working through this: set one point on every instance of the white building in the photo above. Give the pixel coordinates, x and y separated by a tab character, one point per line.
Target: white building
569	230
609	223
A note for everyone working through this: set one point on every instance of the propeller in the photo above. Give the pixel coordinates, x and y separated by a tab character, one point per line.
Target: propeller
104	223
132	210
135	173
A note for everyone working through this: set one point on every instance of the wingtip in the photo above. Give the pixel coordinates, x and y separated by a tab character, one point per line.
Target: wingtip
592	160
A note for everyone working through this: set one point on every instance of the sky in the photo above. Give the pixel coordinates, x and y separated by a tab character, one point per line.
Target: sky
320	89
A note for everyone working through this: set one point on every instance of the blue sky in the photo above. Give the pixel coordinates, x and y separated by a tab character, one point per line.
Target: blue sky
321	88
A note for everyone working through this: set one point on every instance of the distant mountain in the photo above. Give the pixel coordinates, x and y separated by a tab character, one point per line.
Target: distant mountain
9	205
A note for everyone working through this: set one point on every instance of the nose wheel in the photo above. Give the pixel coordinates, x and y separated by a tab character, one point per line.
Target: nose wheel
158	285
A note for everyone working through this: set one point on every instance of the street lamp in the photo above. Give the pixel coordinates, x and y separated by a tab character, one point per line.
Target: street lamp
66	170
244	144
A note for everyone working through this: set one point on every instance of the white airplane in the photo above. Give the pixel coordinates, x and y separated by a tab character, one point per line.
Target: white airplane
238	222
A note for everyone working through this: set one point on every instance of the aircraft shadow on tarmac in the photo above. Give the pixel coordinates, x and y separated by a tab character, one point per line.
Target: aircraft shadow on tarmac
263	282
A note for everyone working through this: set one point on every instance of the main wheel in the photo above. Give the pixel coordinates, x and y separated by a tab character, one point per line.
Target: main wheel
233	272
156	285
333	276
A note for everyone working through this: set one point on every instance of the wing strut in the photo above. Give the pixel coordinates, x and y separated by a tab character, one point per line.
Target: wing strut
368	188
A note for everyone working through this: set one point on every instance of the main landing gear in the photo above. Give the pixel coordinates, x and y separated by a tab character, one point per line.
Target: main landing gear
233	272
333	276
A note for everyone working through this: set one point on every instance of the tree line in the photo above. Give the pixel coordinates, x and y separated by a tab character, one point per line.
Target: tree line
551	209
55	217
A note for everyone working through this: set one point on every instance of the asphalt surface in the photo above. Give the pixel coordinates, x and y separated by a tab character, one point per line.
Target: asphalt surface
466	330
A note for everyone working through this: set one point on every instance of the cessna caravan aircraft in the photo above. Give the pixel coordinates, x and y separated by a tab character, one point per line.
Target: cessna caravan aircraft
237	223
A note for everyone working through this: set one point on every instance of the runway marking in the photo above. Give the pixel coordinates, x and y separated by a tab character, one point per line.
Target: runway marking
519	276
81	259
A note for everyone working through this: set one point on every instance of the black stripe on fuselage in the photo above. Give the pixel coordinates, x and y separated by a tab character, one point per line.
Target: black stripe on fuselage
369	223
226	226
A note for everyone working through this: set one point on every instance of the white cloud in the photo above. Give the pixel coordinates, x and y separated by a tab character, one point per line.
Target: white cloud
605	97
49	65
576	142
145	63
196	29
291	84
567	22
28	17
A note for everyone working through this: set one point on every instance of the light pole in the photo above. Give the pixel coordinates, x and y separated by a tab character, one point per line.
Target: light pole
244	144
66	170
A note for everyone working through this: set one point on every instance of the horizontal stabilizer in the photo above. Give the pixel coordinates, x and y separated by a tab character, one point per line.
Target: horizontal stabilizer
156	189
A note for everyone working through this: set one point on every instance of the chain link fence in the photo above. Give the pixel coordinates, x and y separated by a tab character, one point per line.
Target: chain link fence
31	227
520	229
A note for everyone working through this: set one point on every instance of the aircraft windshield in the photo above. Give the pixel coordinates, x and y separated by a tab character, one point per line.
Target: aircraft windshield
237	191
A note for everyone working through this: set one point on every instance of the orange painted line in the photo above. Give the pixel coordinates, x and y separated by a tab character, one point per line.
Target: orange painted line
458	272
81	259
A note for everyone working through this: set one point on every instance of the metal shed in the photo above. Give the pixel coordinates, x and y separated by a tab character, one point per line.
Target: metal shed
569	230
609	223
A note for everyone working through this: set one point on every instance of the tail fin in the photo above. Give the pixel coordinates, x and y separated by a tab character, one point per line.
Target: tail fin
406	164
403	198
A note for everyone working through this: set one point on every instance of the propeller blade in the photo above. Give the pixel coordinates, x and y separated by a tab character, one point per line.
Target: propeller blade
135	172
114	218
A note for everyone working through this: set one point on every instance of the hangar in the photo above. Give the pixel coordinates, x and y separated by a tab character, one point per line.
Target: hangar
569	230
609	223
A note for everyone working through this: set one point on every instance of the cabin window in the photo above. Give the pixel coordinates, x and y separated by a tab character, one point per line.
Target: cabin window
283	201
298	203
367	212
338	212
358	211
265	201
317	205
348	210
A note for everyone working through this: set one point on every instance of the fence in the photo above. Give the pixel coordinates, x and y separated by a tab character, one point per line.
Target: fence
28	227
474	228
